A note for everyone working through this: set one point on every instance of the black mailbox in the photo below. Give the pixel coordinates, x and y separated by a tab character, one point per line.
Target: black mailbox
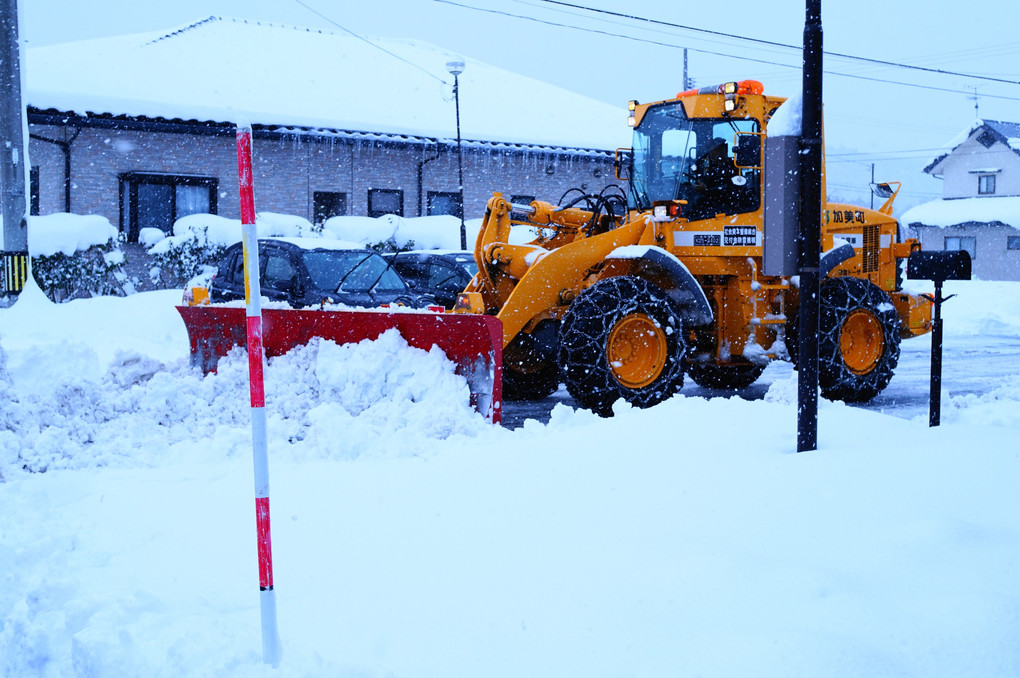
939	266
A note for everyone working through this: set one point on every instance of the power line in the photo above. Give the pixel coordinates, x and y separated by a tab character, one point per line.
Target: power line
760	41
720	54
366	40
878	153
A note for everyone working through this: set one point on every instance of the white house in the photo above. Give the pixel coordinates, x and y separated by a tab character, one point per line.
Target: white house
980	207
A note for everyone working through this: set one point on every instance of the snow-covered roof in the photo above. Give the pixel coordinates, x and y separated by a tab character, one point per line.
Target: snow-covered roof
233	70
1007	133
952	212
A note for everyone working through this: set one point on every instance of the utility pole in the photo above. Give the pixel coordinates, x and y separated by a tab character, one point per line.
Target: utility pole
13	154
456	68
810	230
687	81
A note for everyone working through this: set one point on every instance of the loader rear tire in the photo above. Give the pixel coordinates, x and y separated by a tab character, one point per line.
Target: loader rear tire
858	339
621	338
728	376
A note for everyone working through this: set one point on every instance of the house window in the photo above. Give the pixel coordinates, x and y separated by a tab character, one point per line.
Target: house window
986	139
33	181
328	204
1013	242
158	200
385	201
440	202
986	184
968	243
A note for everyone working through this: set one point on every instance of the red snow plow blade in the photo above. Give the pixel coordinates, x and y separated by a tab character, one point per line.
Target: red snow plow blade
473	342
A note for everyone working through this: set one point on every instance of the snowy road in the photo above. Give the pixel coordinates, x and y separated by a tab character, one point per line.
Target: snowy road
971	365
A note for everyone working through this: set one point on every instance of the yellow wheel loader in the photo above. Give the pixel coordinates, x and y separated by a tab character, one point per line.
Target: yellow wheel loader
624	292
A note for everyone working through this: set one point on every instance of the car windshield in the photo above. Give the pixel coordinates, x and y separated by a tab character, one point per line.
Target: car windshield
679	158
467	262
356	270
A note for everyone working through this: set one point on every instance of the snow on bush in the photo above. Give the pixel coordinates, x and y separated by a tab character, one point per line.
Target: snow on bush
199	241
150	236
75	255
381	234
66	234
391	233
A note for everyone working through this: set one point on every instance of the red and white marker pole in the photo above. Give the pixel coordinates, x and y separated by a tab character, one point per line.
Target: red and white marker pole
256	367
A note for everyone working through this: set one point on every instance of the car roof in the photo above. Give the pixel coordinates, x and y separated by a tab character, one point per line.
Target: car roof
306	243
456	255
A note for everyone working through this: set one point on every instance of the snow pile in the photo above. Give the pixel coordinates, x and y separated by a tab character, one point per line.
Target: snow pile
141	411
1005	209
410	538
68	233
997	407
997	314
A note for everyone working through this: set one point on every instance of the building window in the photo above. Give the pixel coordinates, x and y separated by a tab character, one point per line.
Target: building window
33	181
385	201
1013	242
439	202
328	204
986	184
967	243
158	200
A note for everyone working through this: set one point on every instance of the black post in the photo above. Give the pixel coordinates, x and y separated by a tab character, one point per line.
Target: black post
937	267
935	394
460	164
810	230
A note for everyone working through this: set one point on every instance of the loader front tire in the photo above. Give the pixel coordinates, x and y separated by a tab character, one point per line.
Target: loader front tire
621	338
858	339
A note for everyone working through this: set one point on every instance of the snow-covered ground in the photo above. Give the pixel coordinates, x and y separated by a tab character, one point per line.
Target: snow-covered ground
413	539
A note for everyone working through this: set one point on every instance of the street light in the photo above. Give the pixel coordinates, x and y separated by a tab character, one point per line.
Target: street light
456	68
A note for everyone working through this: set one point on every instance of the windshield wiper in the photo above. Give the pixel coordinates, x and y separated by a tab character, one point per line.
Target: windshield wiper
389	265
354	268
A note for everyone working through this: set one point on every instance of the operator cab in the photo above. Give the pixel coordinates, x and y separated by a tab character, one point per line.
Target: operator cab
711	163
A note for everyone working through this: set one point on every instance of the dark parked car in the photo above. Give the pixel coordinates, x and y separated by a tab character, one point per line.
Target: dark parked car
440	274
310	271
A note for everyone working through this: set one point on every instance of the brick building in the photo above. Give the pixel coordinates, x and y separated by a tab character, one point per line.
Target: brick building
118	129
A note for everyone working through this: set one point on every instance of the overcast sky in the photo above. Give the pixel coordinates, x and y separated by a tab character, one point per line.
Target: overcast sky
615	59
